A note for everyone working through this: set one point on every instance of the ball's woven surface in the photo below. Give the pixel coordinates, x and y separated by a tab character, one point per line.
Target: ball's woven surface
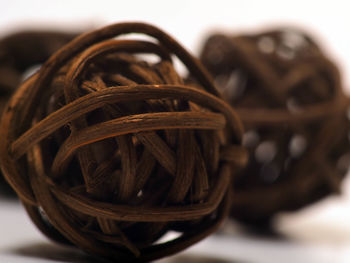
289	97
18	53
110	152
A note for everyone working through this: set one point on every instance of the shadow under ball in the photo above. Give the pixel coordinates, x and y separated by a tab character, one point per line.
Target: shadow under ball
289	97
109	150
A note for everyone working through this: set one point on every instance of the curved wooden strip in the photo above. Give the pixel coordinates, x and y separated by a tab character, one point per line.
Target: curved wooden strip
146	214
83	41
133	124
98	99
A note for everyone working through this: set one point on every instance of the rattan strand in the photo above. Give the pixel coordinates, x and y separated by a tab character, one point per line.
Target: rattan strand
289	97
110	152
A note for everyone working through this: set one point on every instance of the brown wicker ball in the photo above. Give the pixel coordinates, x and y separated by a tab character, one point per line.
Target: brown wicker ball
18	53
289	97
109	150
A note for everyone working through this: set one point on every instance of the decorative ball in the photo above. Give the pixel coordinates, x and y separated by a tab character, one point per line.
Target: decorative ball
20	52
289	97
110	151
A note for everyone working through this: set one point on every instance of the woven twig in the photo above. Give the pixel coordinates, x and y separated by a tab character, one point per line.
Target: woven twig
114	151
18	53
289	97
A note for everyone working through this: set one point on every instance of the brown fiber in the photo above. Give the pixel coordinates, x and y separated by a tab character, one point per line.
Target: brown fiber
289	97
19	52
110	152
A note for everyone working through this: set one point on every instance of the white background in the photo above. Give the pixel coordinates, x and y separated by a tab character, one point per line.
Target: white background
320	233
189	21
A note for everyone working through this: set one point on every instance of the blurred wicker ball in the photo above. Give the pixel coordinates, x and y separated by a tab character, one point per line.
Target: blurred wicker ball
110	152
20	52
289	97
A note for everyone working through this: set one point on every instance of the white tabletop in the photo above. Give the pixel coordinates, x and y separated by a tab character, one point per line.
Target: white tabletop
317	234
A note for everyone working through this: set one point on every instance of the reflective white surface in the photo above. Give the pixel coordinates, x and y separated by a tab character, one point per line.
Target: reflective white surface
317	234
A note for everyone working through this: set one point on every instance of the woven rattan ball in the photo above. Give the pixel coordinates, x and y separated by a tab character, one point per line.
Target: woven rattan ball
19	52
289	97
109	150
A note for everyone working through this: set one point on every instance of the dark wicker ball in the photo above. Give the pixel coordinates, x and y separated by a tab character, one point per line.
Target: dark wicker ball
109	150
289	97
19	52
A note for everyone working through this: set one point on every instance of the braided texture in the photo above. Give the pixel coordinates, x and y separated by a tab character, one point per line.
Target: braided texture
109	150
18	53
289	97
